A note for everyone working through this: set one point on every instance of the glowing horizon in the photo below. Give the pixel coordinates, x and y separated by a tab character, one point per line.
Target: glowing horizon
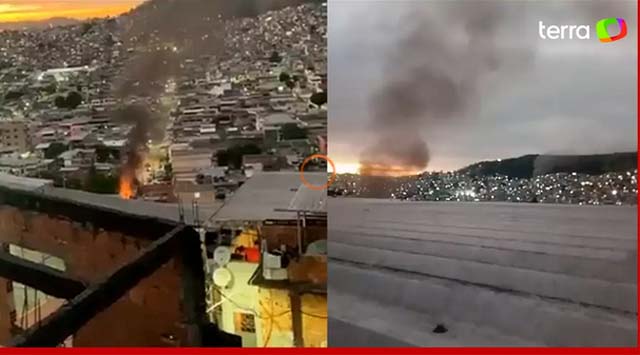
37	10
354	168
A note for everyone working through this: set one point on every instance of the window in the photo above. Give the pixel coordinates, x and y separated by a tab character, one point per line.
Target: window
245	322
30	305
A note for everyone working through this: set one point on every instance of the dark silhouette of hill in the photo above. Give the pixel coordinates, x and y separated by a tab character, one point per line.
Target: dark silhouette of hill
532	165
41	24
207	8
194	24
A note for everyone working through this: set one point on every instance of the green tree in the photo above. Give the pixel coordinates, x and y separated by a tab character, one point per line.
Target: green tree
292	131
72	183
284	77
50	89
60	102
86	27
319	98
74	99
222	156
13	95
290	84
275	57
232	157
101	183
54	150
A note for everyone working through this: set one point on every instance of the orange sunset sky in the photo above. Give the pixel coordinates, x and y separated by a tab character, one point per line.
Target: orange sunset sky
33	10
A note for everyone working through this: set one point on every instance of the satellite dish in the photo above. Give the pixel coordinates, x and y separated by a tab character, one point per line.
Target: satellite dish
222	277
222	256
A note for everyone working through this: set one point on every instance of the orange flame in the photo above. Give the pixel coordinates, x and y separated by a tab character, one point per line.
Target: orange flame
372	169
126	186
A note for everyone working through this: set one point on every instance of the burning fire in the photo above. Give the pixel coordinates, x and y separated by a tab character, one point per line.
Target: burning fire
126	186
370	169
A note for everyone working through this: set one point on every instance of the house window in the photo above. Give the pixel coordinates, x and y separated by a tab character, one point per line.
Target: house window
245	323
30	305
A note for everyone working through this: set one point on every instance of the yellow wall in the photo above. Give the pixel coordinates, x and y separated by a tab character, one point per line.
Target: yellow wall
275	328
314	320
274	308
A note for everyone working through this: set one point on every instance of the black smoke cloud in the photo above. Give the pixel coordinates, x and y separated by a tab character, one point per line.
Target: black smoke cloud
433	74
170	31
144	127
144	76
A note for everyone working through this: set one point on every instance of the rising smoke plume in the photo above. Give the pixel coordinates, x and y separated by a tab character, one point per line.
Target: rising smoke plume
145	75
146	125
436	71
172	31
433	75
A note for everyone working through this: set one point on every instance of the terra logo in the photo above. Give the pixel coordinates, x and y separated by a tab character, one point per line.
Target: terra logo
603	33
584	31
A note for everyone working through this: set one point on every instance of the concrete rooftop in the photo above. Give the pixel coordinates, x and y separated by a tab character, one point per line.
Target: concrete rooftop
493	274
163	211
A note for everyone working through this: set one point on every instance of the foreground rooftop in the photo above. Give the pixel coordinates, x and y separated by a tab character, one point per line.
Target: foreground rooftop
492	274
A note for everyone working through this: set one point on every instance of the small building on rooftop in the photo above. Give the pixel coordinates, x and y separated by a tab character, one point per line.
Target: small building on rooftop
280	219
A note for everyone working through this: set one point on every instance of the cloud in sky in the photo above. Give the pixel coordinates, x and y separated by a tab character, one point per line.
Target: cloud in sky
31	10
572	96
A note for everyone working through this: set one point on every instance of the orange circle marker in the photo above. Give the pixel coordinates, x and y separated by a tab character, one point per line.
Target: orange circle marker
332	179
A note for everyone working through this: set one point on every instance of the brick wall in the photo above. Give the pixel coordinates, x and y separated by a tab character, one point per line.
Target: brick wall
6	307
276	324
148	315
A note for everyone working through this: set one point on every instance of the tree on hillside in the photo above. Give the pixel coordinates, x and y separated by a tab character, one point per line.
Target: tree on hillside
50	89
86	27
101	183
13	95
275	57
74	99
284	77
54	150
290	84
168	169
72	183
222	157
292	131
232	157
60	102
319	98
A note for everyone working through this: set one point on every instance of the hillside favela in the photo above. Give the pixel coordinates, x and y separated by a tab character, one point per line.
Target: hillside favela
605	179
149	176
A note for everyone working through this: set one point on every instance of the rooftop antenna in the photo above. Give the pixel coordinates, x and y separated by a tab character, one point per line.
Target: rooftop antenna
180	210
195	211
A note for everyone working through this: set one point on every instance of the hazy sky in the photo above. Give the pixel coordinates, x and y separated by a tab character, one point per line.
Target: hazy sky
28	10
563	96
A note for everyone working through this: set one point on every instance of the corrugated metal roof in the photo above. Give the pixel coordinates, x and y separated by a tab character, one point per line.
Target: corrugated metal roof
265	196
308	200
